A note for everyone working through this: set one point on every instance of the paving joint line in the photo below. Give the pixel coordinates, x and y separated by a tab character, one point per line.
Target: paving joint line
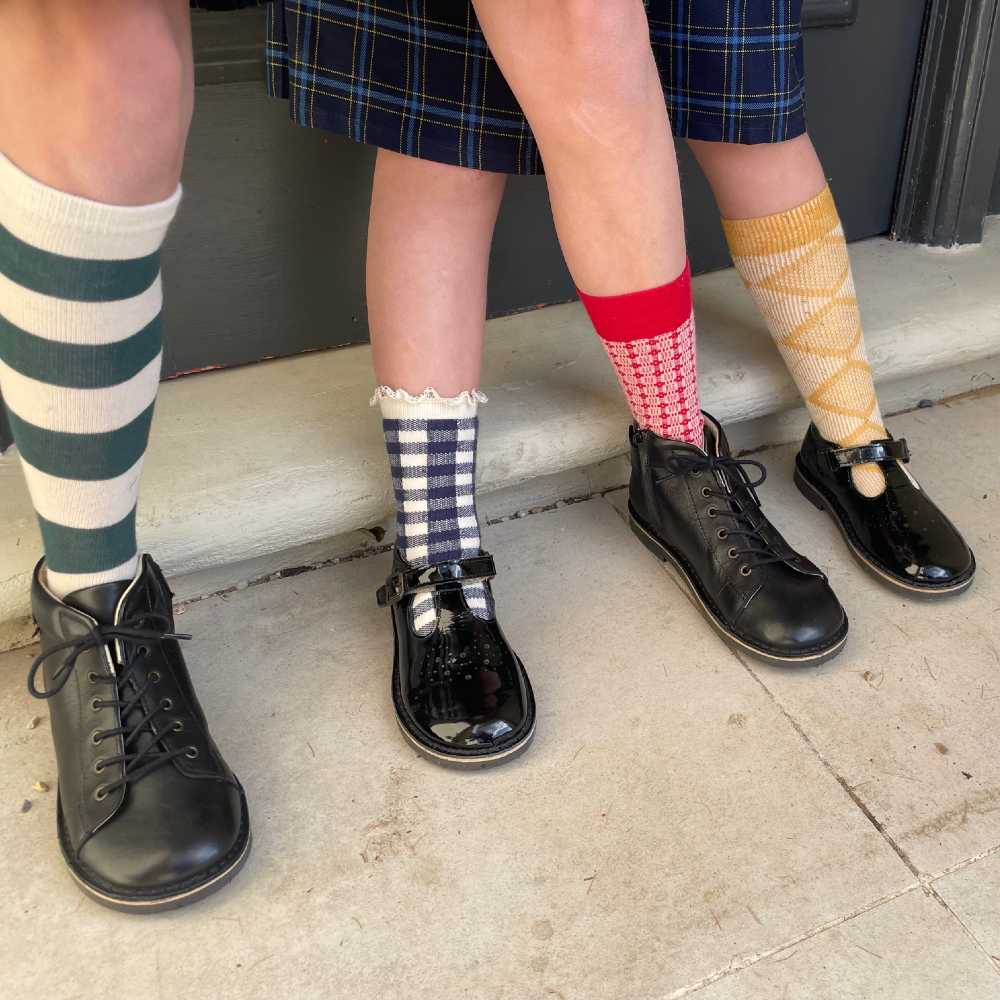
367	551
965	863
840	779
935	895
739	963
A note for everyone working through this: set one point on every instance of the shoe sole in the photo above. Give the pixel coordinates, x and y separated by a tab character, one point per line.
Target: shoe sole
819	501
664	555
468	763
166	902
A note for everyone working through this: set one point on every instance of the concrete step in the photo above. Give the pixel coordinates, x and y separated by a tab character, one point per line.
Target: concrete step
282	463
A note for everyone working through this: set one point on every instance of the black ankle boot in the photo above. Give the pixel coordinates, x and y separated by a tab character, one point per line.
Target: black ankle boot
699	512
901	536
462	695
149	815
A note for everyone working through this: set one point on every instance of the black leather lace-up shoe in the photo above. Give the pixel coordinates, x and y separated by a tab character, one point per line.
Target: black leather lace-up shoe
698	511
901	536
461	694
149	816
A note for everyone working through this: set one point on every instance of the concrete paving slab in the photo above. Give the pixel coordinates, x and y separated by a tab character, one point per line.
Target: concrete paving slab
667	821
973	893
907	715
907	949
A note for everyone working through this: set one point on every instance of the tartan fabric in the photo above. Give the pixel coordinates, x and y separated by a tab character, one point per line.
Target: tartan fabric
433	464
416	76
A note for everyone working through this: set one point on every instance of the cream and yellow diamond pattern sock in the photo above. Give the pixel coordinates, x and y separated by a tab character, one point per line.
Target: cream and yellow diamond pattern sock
796	266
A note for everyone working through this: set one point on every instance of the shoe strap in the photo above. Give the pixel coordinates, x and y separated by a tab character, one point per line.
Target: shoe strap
887	450
442	576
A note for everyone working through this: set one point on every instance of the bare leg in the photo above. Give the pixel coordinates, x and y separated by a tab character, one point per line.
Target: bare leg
752	181
583	71
429	239
105	98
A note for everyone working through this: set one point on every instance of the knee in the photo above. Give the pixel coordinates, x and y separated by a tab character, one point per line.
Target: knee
601	70
108	104
137	76
604	23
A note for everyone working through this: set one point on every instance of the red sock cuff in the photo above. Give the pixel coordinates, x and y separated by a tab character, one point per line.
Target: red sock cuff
640	315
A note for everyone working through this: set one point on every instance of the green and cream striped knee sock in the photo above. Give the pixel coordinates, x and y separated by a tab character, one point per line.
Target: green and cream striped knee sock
80	351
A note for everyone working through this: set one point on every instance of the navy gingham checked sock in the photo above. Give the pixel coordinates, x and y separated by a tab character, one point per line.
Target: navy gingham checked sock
432	453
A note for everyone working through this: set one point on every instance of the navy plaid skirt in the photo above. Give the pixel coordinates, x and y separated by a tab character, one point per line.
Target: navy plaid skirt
417	77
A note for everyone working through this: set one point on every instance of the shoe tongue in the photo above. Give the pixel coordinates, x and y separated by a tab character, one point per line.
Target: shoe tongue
99	602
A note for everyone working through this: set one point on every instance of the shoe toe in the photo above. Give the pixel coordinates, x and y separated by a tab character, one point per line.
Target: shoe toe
808	622
482	712
485	735
945	566
186	845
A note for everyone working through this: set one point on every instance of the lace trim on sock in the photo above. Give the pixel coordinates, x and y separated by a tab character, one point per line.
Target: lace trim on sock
429	395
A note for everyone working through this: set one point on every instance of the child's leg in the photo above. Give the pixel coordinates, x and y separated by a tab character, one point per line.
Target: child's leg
90	160
787	243
429	239
584	73
461	694
91	142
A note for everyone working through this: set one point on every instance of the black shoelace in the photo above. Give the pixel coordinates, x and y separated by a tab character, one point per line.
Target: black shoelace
136	763
756	549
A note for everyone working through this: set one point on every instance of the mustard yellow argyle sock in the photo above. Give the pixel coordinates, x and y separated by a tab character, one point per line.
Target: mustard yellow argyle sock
796	266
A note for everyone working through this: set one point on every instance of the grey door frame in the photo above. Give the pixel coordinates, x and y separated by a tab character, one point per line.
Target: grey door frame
951	160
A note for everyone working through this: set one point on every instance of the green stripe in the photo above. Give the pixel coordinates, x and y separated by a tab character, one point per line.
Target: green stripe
88	550
75	278
79	366
88	457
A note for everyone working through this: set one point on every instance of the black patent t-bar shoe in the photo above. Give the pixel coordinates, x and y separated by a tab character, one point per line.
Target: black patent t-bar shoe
461	694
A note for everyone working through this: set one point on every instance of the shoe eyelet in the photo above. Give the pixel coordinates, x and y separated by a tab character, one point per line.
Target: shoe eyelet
745	571
141	650
177	727
696	473
153	677
96	736
711	512
95	705
166	704
92	677
733	553
706	492
100	793
98	765
722	533
191	753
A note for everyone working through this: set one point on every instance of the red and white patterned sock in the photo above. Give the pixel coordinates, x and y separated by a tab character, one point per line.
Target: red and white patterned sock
649	337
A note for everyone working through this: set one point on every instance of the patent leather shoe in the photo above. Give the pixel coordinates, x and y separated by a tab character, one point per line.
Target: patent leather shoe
901	536
461	694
